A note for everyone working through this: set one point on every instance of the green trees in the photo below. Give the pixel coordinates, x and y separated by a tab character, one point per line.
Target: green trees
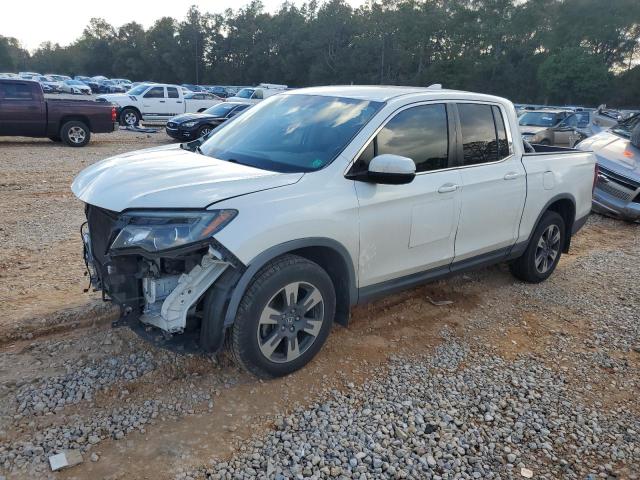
574	51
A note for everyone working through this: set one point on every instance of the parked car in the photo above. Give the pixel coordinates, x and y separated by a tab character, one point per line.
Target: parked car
617	151
48	85
189	126
126	84
155	102
254	95
281	220
25	112
82	78
76	87
9	75
110	86
28	75
57	78
547	127
217	90
193	88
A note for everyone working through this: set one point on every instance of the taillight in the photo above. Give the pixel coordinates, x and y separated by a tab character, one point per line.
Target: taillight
596	172
113	114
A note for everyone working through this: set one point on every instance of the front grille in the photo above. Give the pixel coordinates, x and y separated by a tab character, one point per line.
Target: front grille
102	228
617	185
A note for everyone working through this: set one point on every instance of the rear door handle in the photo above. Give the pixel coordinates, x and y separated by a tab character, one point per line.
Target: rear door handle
161	101
179	101
447	188
511	176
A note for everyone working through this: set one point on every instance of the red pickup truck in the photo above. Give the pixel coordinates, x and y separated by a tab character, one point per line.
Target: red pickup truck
25	112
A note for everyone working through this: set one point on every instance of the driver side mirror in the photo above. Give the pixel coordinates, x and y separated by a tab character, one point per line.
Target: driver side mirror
389	169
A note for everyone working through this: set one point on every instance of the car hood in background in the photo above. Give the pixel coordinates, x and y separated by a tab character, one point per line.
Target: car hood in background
169	177
615	153
531	130
116	97
185	117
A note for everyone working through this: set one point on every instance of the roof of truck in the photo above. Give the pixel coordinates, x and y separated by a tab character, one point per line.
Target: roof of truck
383	93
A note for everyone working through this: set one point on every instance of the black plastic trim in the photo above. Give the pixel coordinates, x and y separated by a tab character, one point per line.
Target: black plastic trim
258	262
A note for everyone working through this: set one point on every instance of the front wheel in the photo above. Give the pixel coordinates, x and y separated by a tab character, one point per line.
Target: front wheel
542	255
204	130
129	117
284	317
75	133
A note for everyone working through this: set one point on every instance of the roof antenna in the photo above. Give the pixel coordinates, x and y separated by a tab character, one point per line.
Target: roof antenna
435	86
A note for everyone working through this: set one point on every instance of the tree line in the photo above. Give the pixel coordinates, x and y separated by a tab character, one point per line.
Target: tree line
537	51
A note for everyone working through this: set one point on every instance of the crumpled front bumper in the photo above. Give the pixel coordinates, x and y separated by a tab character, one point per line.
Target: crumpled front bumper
158	289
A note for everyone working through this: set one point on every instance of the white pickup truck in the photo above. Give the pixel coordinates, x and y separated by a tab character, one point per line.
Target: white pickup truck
338	195
155	101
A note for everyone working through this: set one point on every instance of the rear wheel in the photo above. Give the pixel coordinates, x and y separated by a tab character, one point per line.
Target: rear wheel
543	253
75	133
284	317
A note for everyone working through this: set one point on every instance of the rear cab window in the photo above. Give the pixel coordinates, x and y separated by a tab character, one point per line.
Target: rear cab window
484	136
15	91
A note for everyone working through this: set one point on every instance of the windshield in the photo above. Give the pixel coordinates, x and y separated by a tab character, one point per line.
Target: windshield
139	90
220	110
73	82
291	133
245	93
625	127
539	119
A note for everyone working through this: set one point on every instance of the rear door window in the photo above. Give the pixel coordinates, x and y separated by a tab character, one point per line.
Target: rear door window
483	138
172	92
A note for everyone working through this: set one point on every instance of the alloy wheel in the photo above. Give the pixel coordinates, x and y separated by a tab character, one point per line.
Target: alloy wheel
130	118
290	322
547	249
77	135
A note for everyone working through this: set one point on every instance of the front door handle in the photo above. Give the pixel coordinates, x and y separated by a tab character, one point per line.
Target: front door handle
511	176
161	101
447	188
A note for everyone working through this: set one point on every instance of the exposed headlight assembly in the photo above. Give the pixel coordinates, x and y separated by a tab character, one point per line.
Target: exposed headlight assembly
157	231
188	124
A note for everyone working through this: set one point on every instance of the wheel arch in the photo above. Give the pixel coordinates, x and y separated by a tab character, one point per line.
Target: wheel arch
78	118
565	205
332	256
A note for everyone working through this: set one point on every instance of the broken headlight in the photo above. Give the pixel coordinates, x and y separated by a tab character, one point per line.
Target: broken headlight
157	231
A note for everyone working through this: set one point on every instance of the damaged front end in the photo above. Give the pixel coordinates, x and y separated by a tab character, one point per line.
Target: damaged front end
156	265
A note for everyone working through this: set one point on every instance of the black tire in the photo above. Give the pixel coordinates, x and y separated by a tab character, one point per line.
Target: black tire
127	115
525	267
75	133
264	288
203	130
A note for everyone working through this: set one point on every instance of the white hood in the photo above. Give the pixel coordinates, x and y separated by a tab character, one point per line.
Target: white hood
117	98
169	177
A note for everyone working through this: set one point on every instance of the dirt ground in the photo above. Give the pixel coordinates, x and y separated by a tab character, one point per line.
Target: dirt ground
48	327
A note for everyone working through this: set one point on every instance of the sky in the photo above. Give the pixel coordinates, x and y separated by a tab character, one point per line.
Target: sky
62	21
